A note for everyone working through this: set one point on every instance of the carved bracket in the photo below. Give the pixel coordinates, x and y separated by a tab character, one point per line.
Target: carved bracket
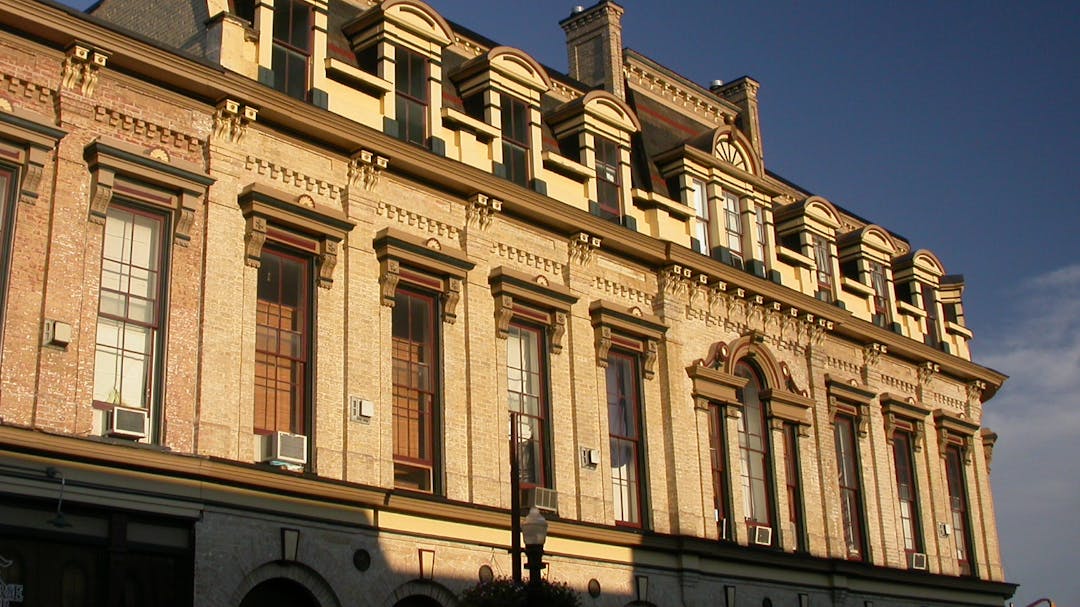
328	254
254	237
31	178
603	346
365	168
872	352
450	300
504	312
582	246
389	274
556	332
926	371
81	68
651	351
231	120
481	209
101	193
975	390
675	280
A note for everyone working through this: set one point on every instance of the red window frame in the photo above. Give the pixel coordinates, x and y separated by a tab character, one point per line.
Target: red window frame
792	471
718	462
292	42
850	484
881	316
118	272
515	139
755	450
283	342
907	492
608	178
416	367
823	260
958	506
733	229
624	434
411	95
524	386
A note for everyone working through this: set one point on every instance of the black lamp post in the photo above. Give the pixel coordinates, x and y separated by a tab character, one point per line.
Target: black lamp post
534	529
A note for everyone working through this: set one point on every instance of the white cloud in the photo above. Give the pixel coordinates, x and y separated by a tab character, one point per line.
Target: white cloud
1037	417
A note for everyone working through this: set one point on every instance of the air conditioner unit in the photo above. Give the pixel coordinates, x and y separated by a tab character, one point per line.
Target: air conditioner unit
545	500
281	447
918	561
123	422
762	536
590	457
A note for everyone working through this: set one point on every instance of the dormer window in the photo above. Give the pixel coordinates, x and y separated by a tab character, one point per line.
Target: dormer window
291	54
410	84
878	282
824	273
760	233
515	140
608	195
699	199
733	232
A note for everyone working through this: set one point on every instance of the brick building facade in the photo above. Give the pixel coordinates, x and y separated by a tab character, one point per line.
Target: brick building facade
276	274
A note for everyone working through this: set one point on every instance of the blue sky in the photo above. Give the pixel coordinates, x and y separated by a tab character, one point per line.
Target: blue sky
952	123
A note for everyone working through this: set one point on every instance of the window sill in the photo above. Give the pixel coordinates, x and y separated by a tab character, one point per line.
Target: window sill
652	200
346	74
481	129
904	307
565	166
796	259
856	287
955	329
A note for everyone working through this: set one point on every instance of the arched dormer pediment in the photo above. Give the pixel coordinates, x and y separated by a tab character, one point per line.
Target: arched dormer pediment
922	264
822	210
519	66
598	107
411	16
731	146
871	237
750	348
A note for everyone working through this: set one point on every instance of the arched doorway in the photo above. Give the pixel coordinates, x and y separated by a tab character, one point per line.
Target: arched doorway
281	592
417	600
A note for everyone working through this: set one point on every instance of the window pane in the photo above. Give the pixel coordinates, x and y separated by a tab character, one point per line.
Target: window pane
281	345
414	385
754	448
623	411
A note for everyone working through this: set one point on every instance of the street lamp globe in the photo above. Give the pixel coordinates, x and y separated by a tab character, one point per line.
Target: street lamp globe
534	529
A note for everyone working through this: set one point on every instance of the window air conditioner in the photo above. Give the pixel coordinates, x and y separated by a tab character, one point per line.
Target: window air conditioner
762	536
918	561
545	500
282	447
123	422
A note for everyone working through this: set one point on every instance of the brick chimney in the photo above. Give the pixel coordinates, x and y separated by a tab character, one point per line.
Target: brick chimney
594	45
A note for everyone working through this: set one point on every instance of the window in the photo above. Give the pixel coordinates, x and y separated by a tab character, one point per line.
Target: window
515	136
624	429
754	449
526	393
292	47
700	202
282	342
958	505
847	460
824	268
929	297
245	9
415	389
907	492
881	316
410	77
759	227
718	459
792	470
607	179
733	229
7	220
127	353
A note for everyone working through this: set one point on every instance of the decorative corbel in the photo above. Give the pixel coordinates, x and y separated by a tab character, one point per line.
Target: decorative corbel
389	274
975	390
365	168
872	352
926	371
101	193
649	365
701	403
718	354
989	439
231	120
480	211
504	311
920	435
451	299
603	346
81	68
776	424
943	441
328	254
582	246
185	219
556	332
33	170
674	280
254	237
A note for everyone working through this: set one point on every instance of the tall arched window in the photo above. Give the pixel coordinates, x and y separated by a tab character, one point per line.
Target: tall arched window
754	451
